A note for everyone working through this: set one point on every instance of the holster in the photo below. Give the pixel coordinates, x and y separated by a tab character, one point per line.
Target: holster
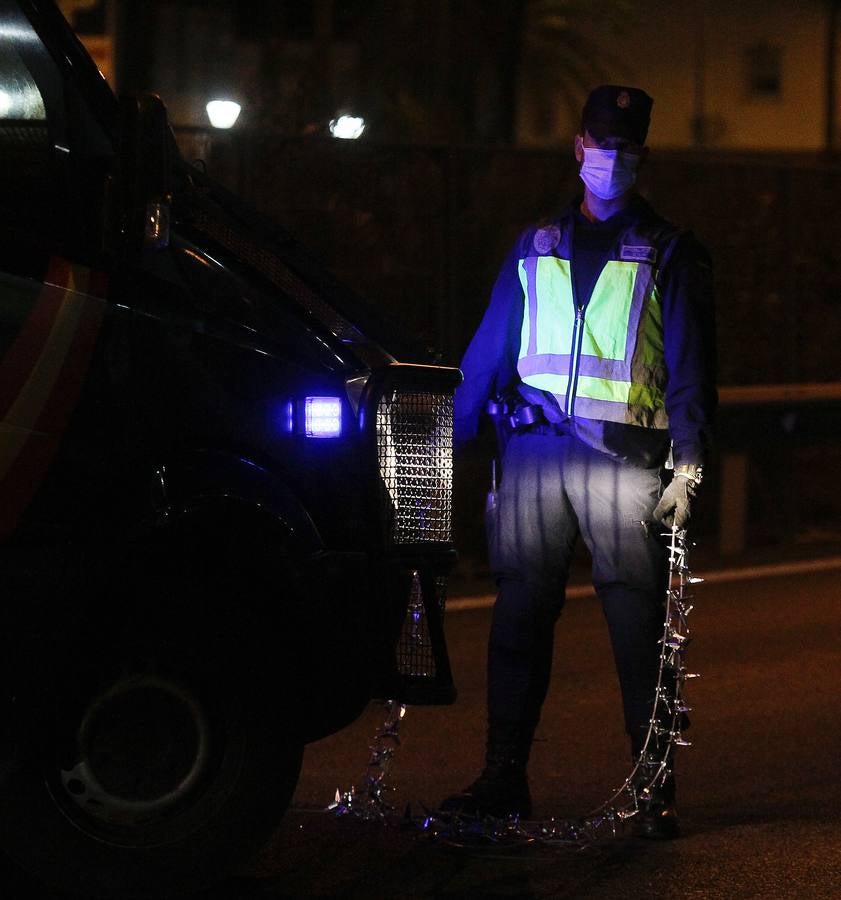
510	415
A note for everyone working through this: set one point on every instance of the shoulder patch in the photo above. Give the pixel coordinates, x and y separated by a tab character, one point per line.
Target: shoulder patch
644	253
546	239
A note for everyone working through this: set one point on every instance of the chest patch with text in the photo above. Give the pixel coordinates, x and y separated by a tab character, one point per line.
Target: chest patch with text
643	253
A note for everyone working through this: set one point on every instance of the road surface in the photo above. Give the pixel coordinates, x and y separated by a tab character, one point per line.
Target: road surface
758	791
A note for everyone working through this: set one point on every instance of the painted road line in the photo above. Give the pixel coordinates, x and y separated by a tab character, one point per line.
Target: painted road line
748	573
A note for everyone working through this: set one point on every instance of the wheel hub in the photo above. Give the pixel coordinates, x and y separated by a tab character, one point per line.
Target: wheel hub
141	748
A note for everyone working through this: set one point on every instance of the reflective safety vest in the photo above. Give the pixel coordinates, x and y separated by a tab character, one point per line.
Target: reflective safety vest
601	358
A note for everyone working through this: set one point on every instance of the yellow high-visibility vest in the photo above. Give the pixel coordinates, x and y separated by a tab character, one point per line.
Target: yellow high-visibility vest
603	358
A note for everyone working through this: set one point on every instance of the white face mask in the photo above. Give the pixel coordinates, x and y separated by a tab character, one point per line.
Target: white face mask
608	173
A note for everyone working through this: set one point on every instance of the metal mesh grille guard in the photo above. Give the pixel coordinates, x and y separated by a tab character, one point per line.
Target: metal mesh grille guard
412	407
414	449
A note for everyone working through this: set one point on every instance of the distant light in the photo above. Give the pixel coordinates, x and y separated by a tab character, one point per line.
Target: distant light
348	128
223	113
323	417
5	104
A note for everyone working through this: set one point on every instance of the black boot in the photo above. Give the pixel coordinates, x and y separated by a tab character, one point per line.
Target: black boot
657	818
502	789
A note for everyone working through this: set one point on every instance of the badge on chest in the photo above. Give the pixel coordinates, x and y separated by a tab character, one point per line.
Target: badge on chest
641	253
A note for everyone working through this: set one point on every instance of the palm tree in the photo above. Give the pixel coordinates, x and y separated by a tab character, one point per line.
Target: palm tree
459	70
563	61
455	71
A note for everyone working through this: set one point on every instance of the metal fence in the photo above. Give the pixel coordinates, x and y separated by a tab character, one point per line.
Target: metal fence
426	228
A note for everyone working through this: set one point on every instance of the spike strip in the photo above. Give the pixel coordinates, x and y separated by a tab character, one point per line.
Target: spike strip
651	768
370	801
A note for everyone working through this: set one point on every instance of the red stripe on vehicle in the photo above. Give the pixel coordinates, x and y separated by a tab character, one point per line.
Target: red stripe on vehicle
16	365
48	396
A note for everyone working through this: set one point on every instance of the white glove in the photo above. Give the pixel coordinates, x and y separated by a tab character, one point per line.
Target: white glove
674	508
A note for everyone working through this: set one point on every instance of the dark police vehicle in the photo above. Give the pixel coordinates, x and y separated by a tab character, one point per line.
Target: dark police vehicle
225	509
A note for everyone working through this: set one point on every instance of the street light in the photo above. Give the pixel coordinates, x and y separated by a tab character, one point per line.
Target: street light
223	113
348	128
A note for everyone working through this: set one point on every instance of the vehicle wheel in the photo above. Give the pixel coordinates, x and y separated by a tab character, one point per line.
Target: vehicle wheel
154	772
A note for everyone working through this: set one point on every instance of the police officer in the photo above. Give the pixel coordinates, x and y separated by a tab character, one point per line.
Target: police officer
599	344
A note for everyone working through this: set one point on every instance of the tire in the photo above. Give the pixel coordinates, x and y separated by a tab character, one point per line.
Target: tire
155	768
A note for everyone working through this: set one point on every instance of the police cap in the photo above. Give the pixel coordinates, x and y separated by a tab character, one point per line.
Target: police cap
616	111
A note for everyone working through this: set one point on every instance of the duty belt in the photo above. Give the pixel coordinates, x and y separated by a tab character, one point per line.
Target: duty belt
518	416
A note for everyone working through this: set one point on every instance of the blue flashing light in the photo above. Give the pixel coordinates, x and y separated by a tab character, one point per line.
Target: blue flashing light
323	417
289	418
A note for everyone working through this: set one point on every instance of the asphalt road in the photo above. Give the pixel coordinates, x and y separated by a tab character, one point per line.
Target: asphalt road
758	791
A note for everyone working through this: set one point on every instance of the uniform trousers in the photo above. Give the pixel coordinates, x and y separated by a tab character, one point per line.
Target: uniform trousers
555	487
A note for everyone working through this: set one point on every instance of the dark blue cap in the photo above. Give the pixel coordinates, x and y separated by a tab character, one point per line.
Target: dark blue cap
616	111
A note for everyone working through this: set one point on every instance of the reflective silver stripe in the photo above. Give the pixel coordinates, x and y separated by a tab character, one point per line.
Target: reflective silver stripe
530	272
643	284
544	364
606	410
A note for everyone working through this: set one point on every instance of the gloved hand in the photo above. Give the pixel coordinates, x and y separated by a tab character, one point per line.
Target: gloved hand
674	508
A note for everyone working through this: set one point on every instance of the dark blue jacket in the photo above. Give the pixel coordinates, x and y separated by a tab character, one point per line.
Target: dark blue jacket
685	283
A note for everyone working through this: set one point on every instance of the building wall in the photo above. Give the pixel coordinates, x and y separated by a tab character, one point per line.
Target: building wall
691	57
82	15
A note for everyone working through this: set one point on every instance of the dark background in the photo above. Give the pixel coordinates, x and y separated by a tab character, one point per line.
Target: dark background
418	214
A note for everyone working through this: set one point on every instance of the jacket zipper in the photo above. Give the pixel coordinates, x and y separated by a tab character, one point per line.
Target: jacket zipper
575	362
577	331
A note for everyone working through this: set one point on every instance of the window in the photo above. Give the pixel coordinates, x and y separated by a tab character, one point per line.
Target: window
764	71
55	155
20	99
31	114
